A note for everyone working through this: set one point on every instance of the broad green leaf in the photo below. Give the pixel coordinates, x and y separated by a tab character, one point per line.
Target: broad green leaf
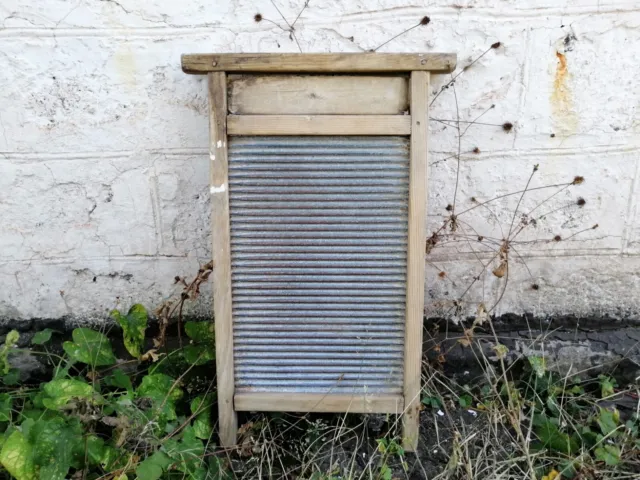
202	348
12	377
62	369
134	325
609	454
57	445
199	473
187	453
6	402
90	347
588	437
432	401
218	469
200	331
99	453
551	437
157	386
465	400
202	424
385	472
608	420
119	379
160	389
152	467
539	365
60	391
16	457
6	434
199	354
42	337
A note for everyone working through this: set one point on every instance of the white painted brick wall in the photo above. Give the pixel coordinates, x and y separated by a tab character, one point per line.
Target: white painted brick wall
103	142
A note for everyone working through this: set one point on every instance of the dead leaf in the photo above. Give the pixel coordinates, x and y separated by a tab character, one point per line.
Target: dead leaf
481	315
501	270
151	355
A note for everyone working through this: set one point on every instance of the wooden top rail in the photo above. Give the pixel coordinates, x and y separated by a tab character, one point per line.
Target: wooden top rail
199	64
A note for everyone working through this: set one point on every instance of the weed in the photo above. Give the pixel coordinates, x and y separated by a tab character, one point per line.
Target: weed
97	417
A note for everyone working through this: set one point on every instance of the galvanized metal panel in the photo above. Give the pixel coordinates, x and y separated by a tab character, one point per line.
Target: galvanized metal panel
318	261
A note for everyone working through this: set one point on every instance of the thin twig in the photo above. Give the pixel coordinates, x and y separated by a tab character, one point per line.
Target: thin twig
515	212
393	38
281	15
453	79
455	191
306	4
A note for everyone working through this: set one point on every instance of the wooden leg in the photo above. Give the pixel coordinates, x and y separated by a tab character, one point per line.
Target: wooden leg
221	249
415	258
228	424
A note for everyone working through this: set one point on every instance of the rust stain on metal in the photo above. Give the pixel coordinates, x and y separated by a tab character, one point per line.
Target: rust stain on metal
564	115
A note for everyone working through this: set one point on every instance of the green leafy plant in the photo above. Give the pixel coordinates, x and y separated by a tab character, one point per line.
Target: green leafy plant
389	448
99	415
134	325
607	385
90	347
433	401
202	347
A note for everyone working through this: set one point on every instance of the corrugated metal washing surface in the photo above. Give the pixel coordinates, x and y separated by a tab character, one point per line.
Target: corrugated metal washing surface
318	262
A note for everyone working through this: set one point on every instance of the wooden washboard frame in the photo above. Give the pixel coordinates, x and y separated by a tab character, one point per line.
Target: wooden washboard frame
366	99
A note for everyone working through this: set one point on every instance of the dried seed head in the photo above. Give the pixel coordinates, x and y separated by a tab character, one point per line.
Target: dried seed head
535	167
480	238
557	238
476	150
425	20
442	274
176	279
595	226
258	17
507	127
581	201
496	45
449	208
553	135
535	286
577	180
473	199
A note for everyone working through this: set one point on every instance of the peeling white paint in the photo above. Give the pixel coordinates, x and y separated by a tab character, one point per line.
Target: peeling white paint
220	189
104	144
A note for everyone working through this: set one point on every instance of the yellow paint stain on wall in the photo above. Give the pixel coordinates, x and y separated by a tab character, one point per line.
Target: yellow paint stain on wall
565	118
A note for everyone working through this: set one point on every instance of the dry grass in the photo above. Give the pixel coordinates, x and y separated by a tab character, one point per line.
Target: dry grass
485	427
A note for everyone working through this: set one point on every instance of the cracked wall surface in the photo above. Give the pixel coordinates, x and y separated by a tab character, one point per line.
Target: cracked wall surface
103	143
